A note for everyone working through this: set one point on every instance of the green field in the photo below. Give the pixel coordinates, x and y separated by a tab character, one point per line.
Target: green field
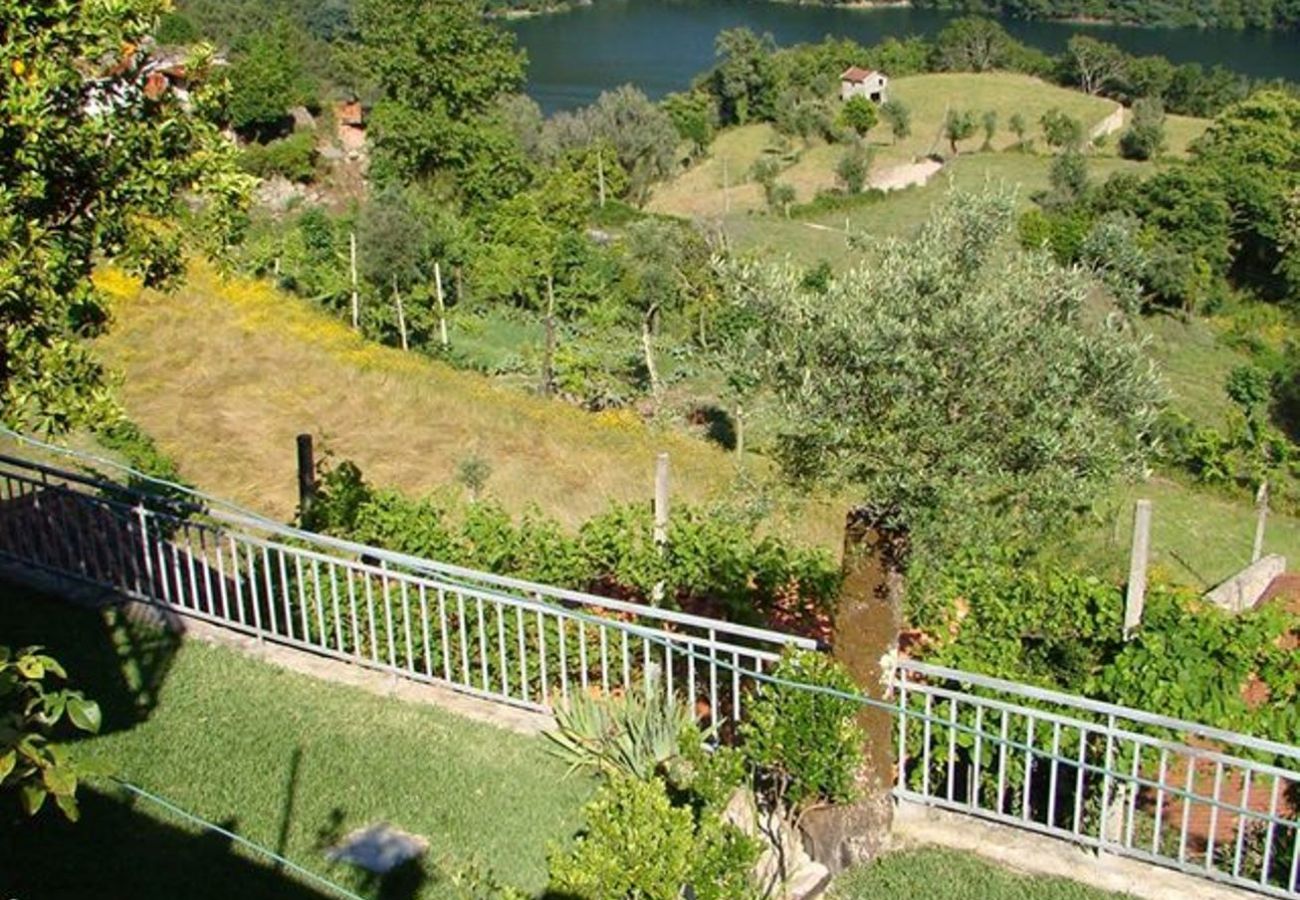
284	760
899	213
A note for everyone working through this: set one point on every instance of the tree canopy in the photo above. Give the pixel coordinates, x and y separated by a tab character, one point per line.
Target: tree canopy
100	159
955	387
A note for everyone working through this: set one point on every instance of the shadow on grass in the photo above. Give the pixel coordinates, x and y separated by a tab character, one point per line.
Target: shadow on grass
117	850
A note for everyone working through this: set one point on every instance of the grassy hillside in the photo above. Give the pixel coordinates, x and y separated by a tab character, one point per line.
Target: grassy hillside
224	374
699	191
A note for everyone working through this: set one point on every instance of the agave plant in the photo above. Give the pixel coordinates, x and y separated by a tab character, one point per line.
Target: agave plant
637	733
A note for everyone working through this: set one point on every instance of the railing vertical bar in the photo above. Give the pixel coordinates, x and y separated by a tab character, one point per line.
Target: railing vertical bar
252	589
562	629
1076	827
1187	809
952	746
541	658
1055	771
1274	796
1294	877
1214	816
978	763
285	591
690	673
523	653
424	630
406	627
164	572
604	658
334	607
442	630
390	638
271	595
627	662
1107	780
926	734
482	644
222	589
1133	790
354	620
582	654
501	649
301	584
713	676
1241	823
189	563
373	636
463	635
239	579
321	629
1004	729
902	728
1157	839
1030	722
735	686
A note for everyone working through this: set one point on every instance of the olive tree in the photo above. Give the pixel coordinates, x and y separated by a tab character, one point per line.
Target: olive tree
956	387
101	160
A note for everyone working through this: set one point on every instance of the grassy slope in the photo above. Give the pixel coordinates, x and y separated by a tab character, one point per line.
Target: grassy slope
900	213
944	875
281	759
224	374
698	192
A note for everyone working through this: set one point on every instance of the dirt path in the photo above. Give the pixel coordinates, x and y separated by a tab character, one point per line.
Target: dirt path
904	176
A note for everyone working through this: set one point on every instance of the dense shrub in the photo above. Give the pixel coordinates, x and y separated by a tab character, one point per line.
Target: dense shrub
805	744
293	157
714	561
637	844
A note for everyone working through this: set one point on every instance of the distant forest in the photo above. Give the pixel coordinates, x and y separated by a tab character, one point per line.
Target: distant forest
1282	15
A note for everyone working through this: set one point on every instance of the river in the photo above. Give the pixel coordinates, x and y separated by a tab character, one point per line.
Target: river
660	45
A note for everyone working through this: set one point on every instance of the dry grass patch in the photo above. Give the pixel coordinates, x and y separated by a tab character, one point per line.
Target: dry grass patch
224	373
699	191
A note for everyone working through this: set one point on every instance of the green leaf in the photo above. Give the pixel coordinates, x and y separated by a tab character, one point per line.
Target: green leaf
8	759
85	714
31	667
32	797
59	780
68	804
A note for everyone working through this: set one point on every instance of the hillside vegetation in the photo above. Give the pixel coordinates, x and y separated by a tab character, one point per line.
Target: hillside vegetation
226	400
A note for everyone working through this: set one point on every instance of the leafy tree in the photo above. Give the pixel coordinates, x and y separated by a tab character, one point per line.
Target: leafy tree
266	79
990	123
958	126
781	196
1060	130
972	44
98	163
744	80
1092	64
1019	127
642	135
1068	177
899	117
860	114
1253	150
441	70
960	390
695	116
1145	136
30	709
853	167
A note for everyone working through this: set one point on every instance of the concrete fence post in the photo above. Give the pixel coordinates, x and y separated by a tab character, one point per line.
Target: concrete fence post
660	517
1135	596
1261	513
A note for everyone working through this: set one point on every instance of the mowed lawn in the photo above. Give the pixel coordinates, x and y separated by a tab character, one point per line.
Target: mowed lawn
935	874
287	761
224	374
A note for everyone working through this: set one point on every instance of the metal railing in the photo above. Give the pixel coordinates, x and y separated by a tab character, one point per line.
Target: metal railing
501	638
1178	794
1205	801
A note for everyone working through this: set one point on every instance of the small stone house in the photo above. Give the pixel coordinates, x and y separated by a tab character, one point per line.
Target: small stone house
858	82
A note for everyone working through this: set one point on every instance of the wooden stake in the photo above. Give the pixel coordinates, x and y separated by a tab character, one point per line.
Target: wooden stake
401	315
442	306
1261	511
600	176
660	518
306	475
548	353
352	260
1135	597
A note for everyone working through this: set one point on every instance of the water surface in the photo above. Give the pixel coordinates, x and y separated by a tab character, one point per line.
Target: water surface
660	45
